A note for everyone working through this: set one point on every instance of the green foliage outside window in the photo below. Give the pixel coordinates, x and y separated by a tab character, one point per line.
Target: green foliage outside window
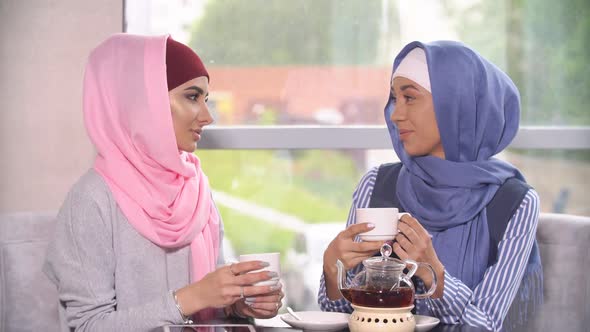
543	45
293	32
314	186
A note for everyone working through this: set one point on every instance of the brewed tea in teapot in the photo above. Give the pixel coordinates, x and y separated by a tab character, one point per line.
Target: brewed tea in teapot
383	283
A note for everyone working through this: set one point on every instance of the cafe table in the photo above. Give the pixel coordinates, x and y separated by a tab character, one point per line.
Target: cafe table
277	325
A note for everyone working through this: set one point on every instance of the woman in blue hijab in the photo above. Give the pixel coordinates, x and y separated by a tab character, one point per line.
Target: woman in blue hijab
449	112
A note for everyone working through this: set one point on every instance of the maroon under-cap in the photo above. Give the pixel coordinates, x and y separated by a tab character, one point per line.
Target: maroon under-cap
182	64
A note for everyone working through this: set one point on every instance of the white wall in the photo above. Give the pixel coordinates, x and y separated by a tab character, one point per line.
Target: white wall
43	49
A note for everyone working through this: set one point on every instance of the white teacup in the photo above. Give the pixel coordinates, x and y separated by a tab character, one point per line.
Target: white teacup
384	219
273	259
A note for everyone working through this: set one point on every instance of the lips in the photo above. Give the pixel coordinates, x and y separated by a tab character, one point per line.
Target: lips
196	134
404	133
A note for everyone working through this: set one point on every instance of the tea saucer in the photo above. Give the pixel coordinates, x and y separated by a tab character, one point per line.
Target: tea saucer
425	323
317	320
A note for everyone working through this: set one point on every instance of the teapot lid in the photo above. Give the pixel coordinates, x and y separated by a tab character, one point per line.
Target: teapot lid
384	263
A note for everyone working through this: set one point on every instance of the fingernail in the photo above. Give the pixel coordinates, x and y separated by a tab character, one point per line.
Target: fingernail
275	287
264	264
272	274
370	225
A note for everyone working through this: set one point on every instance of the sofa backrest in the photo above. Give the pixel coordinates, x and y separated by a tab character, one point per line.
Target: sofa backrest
564	242
28	300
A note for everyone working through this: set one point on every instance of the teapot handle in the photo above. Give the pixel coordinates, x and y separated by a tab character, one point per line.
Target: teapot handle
413	269
434	281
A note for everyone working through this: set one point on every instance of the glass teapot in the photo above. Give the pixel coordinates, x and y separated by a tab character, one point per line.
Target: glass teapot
383	283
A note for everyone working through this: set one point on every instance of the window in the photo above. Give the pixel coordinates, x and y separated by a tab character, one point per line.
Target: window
298	90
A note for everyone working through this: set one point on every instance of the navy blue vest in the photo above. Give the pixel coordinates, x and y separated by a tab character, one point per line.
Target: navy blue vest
499	212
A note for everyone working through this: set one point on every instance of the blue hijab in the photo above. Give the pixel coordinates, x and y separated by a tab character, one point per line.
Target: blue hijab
477	110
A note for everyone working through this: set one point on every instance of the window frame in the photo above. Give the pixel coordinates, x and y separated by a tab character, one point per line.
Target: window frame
278	137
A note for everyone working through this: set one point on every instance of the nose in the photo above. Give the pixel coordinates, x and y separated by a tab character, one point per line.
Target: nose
399	112
205	117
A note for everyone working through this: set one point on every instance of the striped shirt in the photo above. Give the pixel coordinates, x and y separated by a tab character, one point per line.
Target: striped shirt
487	304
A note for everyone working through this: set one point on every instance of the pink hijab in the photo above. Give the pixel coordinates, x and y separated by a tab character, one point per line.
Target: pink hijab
162	191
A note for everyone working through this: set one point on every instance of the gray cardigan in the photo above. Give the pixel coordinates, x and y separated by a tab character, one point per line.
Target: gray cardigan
109	277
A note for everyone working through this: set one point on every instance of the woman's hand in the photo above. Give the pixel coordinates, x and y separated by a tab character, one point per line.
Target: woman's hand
414	242
224	287
350	253
261	306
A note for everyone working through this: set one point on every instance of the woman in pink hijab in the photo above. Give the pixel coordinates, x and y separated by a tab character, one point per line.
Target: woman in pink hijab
138	237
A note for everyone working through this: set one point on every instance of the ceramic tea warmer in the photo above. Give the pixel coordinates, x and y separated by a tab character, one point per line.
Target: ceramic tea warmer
382	295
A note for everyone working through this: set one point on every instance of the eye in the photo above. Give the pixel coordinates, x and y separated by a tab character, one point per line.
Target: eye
409	98
194	97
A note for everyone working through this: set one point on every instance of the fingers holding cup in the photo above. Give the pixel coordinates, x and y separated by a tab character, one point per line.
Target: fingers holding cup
272	268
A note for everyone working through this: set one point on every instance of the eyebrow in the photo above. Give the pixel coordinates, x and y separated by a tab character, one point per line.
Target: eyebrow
405	87
196	88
